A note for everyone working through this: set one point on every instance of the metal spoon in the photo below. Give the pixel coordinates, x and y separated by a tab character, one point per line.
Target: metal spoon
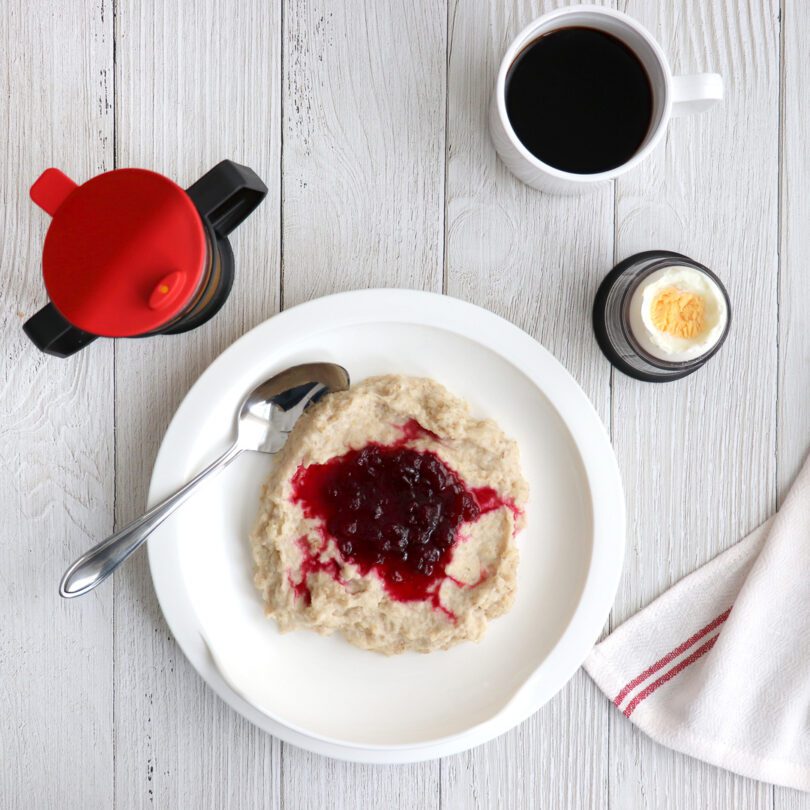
265	418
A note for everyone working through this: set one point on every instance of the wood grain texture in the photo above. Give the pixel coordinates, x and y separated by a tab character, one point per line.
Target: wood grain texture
195	83
363	160
363	206
536	260
56	467
793	415
698	455
794	289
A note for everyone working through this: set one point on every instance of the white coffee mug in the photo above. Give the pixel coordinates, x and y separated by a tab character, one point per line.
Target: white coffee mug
672	95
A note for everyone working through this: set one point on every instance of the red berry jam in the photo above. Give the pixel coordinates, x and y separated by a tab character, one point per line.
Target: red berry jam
489	500
393	510
311	564
411	431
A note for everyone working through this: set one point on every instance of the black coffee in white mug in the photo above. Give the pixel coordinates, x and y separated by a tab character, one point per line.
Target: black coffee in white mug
579	100
583	95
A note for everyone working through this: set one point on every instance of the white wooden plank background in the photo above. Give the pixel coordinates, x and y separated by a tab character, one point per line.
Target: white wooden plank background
56	466
367	121
698	456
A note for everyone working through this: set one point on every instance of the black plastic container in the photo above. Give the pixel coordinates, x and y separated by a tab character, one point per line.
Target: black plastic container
611	318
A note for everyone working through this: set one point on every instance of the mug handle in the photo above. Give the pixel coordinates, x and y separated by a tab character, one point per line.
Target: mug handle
695	93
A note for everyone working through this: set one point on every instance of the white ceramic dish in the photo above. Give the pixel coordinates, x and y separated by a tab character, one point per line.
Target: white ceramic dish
321	693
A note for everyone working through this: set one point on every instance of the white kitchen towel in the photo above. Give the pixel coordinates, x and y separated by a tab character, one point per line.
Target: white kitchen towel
719	666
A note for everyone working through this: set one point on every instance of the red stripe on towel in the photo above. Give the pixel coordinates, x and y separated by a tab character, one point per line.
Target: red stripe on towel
645	693
670	656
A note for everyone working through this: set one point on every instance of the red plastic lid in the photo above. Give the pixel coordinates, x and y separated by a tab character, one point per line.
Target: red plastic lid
125	251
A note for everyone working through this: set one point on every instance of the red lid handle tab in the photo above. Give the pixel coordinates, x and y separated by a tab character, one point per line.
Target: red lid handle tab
51	189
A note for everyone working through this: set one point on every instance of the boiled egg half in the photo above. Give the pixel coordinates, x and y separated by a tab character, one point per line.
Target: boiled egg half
678	314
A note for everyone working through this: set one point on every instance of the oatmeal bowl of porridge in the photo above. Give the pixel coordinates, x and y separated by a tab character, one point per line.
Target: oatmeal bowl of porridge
429	557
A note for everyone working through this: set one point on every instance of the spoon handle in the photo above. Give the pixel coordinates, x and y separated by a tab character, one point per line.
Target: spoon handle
96	565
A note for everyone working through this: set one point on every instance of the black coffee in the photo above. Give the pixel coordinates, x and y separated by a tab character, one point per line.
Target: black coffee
579	100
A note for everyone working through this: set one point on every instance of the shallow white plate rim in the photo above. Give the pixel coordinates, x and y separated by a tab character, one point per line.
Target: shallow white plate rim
556	384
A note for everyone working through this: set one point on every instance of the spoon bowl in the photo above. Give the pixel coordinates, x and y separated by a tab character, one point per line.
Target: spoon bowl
269	412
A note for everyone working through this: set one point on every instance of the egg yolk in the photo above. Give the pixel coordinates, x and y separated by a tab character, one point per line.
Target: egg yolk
680	313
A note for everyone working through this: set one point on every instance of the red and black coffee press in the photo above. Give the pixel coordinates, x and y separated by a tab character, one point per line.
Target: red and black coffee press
129	253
